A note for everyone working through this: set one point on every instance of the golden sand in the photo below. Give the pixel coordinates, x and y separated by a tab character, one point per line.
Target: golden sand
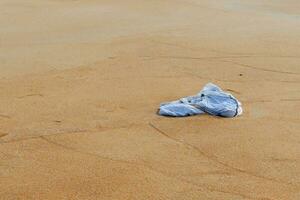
80	83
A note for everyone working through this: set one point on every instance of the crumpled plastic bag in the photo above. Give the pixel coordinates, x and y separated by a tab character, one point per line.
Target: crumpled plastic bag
211	100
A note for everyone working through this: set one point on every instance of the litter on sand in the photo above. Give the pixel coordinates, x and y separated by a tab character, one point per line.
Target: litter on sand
211	100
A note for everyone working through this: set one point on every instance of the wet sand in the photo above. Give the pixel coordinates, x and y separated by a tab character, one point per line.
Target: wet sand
80	83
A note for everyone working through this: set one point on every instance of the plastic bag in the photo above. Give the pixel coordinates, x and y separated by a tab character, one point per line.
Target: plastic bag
211	99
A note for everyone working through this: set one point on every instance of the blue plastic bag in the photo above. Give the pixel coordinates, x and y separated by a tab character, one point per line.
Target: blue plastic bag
211	99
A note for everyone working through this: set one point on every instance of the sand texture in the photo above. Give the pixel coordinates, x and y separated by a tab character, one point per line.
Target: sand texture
80	82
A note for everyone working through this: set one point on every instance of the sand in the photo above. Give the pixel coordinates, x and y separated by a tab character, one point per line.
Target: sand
80	83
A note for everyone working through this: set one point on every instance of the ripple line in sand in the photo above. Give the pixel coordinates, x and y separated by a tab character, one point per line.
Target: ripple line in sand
82	152
236	63
35	137
260	69
3	134
219	57
289	99
30	95
215	158
238	55
4	116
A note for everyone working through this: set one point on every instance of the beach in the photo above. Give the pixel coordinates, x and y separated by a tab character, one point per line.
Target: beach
81	82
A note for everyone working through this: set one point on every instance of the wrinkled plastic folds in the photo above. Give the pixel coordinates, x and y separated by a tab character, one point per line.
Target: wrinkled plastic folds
211	100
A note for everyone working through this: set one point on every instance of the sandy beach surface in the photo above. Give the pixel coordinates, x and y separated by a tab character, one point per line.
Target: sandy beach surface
80	83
